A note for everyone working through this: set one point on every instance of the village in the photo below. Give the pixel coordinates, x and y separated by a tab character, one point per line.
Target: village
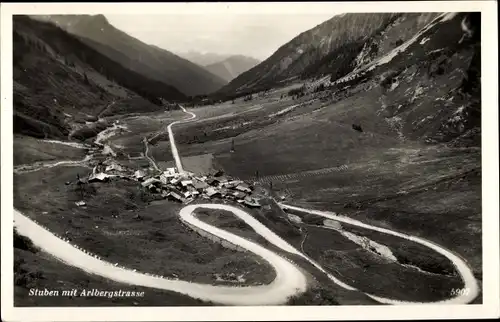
181	187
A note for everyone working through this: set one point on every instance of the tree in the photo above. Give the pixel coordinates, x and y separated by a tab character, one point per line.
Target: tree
85	79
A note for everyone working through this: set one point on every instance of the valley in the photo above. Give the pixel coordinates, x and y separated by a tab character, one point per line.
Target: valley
363	190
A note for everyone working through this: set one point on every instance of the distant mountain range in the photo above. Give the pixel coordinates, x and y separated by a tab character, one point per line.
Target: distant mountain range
203	59
231	67
148	60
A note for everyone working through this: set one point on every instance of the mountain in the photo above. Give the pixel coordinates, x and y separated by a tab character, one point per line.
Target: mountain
203	59
426	88
148	60
231	67
329	47
413	76
61	82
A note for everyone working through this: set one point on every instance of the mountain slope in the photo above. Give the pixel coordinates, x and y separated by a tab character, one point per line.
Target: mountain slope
231	67
148	60
60	82
314	50
426	89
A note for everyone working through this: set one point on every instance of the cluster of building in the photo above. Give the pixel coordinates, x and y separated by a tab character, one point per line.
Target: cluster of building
182	187
185	187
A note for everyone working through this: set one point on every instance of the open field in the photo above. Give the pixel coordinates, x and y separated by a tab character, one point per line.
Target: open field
116	225
40	270
360	267
30	150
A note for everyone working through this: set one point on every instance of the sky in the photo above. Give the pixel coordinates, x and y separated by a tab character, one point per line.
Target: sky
254	35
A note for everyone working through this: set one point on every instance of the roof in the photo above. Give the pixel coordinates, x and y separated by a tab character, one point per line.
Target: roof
212	191
243	188
200	184
251	202
114	166
139	174
239	194
223	179
99	177
176	196
150	181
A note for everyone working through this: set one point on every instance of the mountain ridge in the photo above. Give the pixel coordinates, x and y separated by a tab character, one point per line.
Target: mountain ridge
294	58
232	66
148	60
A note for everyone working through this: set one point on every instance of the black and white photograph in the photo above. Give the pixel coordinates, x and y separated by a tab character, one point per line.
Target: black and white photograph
203	156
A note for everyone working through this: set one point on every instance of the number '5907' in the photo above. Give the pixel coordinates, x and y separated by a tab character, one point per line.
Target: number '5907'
460	291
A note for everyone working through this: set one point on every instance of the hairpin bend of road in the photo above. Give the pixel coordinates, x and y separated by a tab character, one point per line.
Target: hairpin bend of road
289	279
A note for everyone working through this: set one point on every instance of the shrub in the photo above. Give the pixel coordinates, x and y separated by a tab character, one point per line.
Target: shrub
297	91
24	243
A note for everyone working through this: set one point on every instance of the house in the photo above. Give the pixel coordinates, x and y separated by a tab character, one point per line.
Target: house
99	177
139	174
251	202
200	185
193	191
223	192
223	180
243	187
235	182
229	185
239	194
186	183
172	171
114	166
213	181
164	179
212	192
218	173
176	197
150	181
168	175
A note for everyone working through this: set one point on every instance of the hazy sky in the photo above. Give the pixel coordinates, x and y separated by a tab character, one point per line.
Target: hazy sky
256	35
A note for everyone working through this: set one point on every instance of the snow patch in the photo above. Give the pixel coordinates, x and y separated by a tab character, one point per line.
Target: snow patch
400	49
370	245
423	41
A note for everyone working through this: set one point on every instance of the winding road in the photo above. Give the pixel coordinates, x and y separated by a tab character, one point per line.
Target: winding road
289	281
173	146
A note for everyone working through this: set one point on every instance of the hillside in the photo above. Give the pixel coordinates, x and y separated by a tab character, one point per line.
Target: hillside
230	68
60	82
330	47
148	60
